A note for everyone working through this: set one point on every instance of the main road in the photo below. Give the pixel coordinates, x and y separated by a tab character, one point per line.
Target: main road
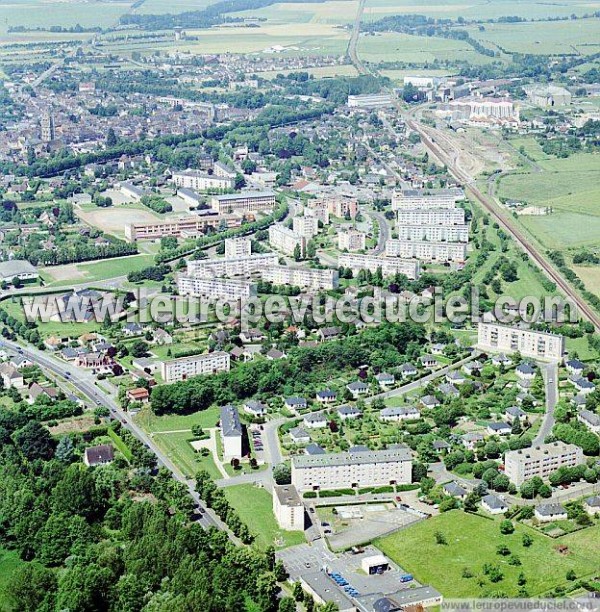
86	385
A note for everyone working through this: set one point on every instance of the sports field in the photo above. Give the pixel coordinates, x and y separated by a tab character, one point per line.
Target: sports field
472	541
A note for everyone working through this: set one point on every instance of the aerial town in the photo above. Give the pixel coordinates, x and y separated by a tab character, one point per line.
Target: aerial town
299	305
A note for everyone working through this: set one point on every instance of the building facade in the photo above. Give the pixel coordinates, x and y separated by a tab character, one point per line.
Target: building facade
215	288
191	226
232	266
249	201
183	368
426	198
306	226
351	240
288	508
434	233
423	217
343	470
286	240
310	278
389	266
230	427
506	339
201	181
427	251
238	247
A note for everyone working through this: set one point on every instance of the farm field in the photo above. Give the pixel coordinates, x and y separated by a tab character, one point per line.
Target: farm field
590	275
395	47
157	7
66	13
543	566
255	507
331	12
319	73
476	9
562	230
70	274
551	37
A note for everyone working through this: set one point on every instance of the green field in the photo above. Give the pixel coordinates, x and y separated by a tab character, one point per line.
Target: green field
255	507
331	12
175	422
564	229
472	541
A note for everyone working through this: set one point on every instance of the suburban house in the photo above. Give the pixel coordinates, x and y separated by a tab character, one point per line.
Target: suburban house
471	439
249	336
161	337
575	368
11	377
384	379
440	445
514	413
329	333
493	504
448	390
98	455
438	348
357	388
20	361
455	378
327	396
525	371
400	413
592	505
295	403
430	401
499	429
348	412
455	490
314	449
36	390
274	354
407	370
428	361
52	343
501	360
132	329
590	419
299	435
472	367
315	420
546	513
583	385
139	394
254	408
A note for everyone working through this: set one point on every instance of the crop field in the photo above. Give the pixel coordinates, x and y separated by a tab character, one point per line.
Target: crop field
580	37
333	12
479	9
564	229
415	547
44	13
395	47
157	7
320	72
590	275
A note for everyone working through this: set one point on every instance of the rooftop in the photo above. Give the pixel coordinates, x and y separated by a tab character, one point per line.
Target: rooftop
332	459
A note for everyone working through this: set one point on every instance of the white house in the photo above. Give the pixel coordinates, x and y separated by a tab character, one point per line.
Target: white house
494	504
315	420
348	413
357	388
400	413
546	513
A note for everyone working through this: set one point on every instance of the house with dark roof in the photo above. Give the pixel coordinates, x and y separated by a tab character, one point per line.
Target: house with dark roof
407	370
315	420
575	368
348	412
499	429
440	445
590	419
514	413
384	379
326	396
428	361
274	354
98	455
525	371
546	513
36	390
299	435
231	432
400	413
494	504
254	408
357	388
471	439
314	449
592	505
501	360
583	386
448	390
329	333
455	378
295	403
430	401
472	367
454	490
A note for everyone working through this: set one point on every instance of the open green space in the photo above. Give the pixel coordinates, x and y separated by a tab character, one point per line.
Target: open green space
255	507
176	422
561	230
472	541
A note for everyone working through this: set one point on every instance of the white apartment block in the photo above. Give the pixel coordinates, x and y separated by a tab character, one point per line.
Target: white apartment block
231	432
307	227
200	181
427	251
351	240
318	209
430	216
426	198
238	247
232	266
499	109
195	365
370	101
523	464
285	240
344	470
505	339
249	201
190	226
389	266
434	233
215	288
338	205
310	278
288	508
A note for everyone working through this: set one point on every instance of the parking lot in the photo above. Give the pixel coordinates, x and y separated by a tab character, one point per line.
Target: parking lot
255	434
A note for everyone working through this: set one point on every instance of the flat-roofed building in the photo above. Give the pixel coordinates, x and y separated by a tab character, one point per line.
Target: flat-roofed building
318	209
389	265
370	101
190	226
247	201
183	368
430	216
232	266
286	240
427	251
351	240
288	507
343	470
311	278
201	181
17	268
238	247
427	198
523	464
306	226
506	339
230	427
434	233
223	288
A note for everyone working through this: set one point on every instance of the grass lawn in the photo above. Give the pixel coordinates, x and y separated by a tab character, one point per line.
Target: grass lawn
582	348
561	230
590	275
175	422
472	541
255	507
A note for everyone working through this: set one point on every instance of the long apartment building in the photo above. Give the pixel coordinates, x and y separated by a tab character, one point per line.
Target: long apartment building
427	251
201	181
232	266
215	288
426	198
286	240
389	266
238	247
190	226
183	368
307	226
338	205
523	464
430	216
247	201
343	470
310	278
503	338
434	233
351	240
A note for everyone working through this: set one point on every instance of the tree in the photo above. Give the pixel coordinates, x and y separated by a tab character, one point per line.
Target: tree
298	592
527	540
440	538
111	138
506	527
571	575
64	450
32	587
282	474
139	348
35	441
287	604
297	253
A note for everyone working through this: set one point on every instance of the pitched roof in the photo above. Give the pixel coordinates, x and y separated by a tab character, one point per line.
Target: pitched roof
95	455
230	421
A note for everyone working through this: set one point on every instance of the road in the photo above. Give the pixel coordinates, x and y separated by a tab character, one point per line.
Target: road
384	231
550	375
84	382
